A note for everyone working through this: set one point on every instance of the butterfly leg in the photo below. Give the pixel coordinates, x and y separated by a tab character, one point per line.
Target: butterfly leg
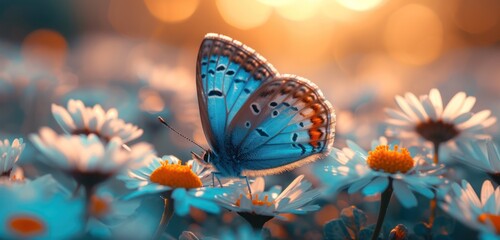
214	176
248	185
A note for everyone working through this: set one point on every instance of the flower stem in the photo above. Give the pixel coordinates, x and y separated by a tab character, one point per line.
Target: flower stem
256	221
89	192
433	203
77	189
436	152
168	212
495	177
384	204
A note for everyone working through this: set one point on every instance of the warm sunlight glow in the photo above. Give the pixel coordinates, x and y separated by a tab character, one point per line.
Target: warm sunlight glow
361	5
299	10
276	3
244	14
414	35
172	10
477	16
46	45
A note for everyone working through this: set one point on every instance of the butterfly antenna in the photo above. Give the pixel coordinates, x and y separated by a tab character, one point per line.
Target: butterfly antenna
180	134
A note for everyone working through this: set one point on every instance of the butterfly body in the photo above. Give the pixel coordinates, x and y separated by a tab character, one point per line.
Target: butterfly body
257	121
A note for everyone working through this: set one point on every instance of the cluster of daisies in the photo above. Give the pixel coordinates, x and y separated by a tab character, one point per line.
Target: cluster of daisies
94	156
94	152
425	125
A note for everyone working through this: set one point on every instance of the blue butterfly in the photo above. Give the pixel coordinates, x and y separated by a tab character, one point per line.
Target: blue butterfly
257	121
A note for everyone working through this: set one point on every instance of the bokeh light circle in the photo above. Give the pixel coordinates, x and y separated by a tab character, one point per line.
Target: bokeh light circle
477	16
47	46
414	35
299	10
361	5
244	14
172	10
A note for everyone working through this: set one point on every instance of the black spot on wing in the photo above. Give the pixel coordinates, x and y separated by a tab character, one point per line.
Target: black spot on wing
255	108
261	132
239	80
203	76
294	137
221	68
215	93
275	113
286	104
247	124
303	149
246	90
301	124
230	73
294	108
211	72
273	104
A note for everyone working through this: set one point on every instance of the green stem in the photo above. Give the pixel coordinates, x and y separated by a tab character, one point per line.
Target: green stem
384	204
433	203
89	192
436	152
168	212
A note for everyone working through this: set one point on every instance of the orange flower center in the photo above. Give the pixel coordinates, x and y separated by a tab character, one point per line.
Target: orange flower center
256	201
493	219
175	175
26	226
390	161
98	206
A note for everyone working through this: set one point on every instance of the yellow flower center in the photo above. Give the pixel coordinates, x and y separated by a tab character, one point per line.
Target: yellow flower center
493	219
390	161
255	201
175	175
98	206
26	226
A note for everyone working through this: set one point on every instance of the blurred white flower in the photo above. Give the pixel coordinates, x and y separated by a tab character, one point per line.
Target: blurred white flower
482	154
479	212
30	211
78	119
186	183
107	212
9	154
428	118
373	172
294	199
88	160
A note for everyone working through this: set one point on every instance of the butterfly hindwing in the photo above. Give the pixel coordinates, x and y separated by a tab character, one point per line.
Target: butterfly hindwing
284	124
228	73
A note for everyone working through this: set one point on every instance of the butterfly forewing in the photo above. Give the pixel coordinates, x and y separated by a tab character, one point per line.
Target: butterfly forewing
227	74
284	124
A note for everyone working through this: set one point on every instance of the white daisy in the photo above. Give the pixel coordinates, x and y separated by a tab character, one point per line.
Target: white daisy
107	212
482	154
30	211
373	172
9	154
426	117
78	119
88	160
479	212
184	182
294	199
